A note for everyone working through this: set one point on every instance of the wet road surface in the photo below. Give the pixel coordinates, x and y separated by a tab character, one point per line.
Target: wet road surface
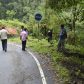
18	67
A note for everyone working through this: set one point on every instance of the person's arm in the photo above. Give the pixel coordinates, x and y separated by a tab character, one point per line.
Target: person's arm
26	35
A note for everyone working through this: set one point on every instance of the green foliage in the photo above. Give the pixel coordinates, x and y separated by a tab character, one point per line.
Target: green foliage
10	14
14	40
20	9
72	39
36	47
61	4
11	23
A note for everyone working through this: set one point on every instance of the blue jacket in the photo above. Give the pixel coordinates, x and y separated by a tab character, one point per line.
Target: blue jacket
61	36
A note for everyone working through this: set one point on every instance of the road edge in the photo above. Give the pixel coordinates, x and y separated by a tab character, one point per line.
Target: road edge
38	64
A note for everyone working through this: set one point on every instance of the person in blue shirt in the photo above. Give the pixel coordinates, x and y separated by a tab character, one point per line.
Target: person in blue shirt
62	37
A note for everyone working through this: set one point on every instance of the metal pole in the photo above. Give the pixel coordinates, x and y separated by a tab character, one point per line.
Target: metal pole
38	30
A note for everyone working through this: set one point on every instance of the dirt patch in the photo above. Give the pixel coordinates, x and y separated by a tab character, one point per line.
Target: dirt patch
12	31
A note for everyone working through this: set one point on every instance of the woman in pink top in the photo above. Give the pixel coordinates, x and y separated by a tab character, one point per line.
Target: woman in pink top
23	37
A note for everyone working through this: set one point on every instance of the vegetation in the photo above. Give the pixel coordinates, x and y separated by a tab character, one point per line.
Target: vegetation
70	66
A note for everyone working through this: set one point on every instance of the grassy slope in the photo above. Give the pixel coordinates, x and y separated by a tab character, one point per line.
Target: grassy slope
68	66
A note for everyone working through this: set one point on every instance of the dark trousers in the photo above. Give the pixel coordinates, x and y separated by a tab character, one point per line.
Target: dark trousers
61	45
49	39
23	45
4	44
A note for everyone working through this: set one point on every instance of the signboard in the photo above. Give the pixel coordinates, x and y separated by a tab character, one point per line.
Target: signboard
38	16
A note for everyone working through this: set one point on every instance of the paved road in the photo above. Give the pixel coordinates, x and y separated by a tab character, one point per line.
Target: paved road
18	67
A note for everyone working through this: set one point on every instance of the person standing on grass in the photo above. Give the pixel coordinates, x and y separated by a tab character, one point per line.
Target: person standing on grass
49	35
3	35
23	37
62	37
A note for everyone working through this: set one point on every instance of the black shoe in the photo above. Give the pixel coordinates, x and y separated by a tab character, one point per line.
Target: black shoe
5	50
23	49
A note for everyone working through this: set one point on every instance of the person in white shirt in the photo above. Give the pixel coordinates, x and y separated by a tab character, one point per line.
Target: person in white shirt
3	35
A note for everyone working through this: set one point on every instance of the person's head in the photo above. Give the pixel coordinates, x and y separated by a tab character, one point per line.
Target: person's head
22	27
3	27
25	29
62	26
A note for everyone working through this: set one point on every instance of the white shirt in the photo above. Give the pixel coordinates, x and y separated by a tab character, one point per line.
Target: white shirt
3	34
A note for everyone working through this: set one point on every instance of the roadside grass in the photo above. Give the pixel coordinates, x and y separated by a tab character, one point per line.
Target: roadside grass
68	66
40	46
14	39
